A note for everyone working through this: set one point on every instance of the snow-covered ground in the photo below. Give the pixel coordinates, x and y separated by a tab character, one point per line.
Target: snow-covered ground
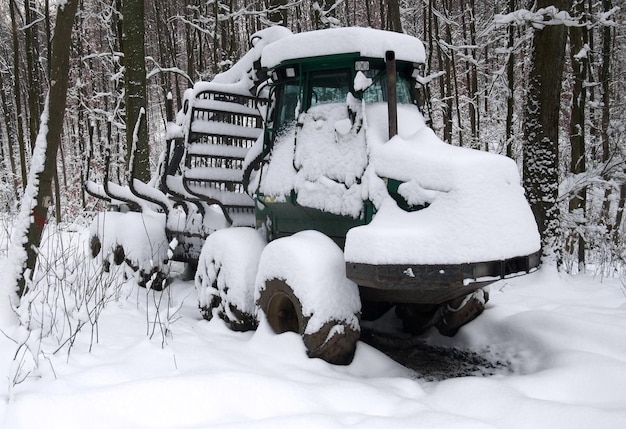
154	363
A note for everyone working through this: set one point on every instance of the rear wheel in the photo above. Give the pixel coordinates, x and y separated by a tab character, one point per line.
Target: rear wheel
335	341
155	278
417	318
461	311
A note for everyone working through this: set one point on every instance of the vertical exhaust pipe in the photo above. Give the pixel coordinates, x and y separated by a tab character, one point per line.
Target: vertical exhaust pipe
392	97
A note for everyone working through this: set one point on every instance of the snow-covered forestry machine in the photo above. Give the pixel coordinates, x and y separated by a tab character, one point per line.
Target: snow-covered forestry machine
306	188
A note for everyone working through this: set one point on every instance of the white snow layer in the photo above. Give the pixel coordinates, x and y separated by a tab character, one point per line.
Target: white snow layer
228	266
477	210
316	272
368	42
142	235
562	339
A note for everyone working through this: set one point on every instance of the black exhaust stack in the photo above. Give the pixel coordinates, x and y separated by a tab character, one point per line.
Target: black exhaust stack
392	97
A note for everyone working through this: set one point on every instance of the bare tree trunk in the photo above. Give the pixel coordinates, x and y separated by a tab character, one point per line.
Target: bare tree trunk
37	197
135	87
619	217
474	105
393	14
33	83
10	132
451	75
444	81
577	204
17	91
447	79
510	74
605	76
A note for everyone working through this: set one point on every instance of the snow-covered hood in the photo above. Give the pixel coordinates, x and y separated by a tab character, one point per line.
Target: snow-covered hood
476	206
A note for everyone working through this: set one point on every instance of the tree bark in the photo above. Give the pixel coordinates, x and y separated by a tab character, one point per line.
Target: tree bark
37	196
135	87
18	90
578	202
510	74
10	130
541	130
33	82
605	77
393	16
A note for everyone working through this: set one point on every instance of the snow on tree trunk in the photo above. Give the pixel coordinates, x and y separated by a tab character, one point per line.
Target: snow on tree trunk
541	127
31	220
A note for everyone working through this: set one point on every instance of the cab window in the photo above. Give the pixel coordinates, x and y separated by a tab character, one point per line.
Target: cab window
329	87
377	92
288	97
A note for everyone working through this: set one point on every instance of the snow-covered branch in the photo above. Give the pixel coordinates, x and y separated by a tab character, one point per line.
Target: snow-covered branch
538	19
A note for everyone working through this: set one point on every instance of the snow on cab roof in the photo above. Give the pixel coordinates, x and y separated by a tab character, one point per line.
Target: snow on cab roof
368	42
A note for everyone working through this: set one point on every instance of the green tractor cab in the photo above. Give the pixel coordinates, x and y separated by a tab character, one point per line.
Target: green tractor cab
320	85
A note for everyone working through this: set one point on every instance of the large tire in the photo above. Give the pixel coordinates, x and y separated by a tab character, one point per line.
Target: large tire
417	318
155	278
461	311
335	342
134	241
225	276
215	298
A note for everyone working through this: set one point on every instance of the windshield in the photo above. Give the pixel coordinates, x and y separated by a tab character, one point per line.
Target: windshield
329	87
377	92
333	86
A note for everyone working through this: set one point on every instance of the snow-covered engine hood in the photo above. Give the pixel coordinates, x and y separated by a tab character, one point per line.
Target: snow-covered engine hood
476	206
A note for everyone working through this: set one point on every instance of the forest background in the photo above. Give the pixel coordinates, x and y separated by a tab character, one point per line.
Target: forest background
483	65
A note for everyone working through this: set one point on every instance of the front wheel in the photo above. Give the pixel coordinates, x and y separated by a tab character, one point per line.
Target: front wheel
302	287
335	341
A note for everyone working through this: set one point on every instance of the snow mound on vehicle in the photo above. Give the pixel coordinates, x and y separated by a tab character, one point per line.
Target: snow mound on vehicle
316	272
476	206
368	42
142	235
324	167
229	261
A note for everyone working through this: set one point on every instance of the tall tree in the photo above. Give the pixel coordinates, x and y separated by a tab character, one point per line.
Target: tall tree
37	196
133	46
393	15
541	123
510	74
578	60
17	91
